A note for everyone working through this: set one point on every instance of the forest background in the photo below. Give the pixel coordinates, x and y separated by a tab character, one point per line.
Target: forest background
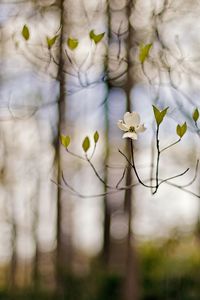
70	69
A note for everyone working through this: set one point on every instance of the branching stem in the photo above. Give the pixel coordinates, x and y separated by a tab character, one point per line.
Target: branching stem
171	145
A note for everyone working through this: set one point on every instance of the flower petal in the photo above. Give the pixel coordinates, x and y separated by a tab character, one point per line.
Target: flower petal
132	119
122	126
131	135
140	128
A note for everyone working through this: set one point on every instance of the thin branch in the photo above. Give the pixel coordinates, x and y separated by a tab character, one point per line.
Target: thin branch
172	177
171	145
135	170
122	177
72	189
125	157
183	189
93	152
158	158
75	155
97	174
194	178
76	193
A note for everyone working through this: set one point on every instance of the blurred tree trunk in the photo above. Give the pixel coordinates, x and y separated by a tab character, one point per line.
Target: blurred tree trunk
107	213
61	123
130	288
3	175
131	280
197	227
35	227
131	270
107	216
13	264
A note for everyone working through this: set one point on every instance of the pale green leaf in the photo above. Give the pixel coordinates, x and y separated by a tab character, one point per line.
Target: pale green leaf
159	115
195	115
65	140
86	144
72	43
96	37
51	41
164	112
144	52
181	129
96	137
26	32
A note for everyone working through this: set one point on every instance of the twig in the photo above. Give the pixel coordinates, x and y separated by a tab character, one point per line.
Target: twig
173	177
183	189
94	149
75	155
158	158
135	170
171	145
122	177
97	174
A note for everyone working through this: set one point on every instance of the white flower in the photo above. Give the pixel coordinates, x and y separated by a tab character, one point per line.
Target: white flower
131	125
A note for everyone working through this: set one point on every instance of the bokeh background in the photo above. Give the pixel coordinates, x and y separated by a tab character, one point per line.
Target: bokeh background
79	241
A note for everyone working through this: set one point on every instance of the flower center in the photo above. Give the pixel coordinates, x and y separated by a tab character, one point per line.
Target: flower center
132	129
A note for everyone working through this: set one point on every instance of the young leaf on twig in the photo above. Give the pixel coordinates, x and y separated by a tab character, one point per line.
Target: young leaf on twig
26	32
195	115
181	129
96	137
72	43
96	37
65	140
144	52
51	41
86	144
159	114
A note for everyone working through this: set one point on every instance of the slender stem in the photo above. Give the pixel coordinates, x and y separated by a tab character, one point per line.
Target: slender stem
122	177
158	158
87	159
135	170
93	152
173	177
181	174
129	162
171	145
75	192
183	189
194	177
152	163
97	174
196	125
75	155
132	154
